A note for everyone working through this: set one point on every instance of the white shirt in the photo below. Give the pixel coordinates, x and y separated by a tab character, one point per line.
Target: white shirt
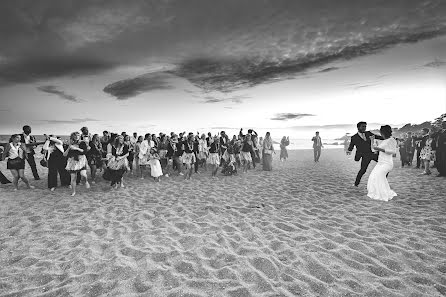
15	151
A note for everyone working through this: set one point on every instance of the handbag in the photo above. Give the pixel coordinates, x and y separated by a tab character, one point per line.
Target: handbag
44	163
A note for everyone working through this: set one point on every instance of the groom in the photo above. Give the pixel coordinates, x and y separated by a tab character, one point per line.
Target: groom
363	149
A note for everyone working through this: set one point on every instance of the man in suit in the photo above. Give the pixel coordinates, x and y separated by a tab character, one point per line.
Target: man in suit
317	145
28	139
364	152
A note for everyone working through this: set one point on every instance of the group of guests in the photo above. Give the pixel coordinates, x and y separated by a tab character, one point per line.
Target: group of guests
115	154
428	148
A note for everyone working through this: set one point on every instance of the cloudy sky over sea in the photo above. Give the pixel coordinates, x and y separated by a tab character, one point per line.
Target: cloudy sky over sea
290	67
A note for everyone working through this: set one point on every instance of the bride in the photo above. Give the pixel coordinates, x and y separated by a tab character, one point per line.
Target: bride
377	186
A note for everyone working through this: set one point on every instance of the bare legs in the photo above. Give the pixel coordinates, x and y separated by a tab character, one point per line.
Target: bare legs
19	174
427	169
189	170
83	174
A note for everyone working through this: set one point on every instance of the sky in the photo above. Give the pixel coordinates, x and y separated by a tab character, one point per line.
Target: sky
291	67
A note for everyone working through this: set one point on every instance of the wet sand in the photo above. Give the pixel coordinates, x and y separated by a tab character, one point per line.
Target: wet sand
300	230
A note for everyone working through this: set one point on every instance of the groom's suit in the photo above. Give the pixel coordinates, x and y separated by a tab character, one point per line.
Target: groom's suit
363	151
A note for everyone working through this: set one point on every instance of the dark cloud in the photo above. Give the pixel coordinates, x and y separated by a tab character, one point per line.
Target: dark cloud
227	75
435	64
250	42
234	99
31	69
72	121
329	69
56	91
127	88
290	116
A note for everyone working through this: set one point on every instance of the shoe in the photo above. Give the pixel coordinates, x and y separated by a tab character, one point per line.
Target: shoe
87	185
440	175
72	194
31	187
181	173
166	175
37	178
52	189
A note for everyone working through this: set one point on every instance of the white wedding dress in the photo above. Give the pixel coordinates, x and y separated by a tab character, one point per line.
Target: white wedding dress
377	186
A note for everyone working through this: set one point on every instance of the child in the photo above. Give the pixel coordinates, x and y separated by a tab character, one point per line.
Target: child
154	162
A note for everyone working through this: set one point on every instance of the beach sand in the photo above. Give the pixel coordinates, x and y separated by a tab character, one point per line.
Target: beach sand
300	230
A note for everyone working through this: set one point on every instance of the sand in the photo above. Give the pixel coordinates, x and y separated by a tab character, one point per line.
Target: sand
300	230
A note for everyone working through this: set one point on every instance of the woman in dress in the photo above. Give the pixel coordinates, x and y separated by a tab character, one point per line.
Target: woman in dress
155	166
94	156
377	186
283	151
15	153
53	152
189	156
246	152
162	152
214	157
203	151
77	161
427	154
118	162
143	155
267	153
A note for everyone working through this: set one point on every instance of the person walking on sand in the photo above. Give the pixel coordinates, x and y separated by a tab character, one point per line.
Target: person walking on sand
28	139
214	157
56	162
77	161
15	153
317	145
377	186
267	153
362	141
283	151
118	162
155	166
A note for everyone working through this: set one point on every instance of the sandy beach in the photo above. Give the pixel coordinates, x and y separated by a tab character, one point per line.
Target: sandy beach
301	230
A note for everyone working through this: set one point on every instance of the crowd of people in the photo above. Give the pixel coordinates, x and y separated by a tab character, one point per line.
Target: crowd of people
428	147
114	155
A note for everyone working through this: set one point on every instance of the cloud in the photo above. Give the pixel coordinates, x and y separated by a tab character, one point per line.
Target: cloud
230	74
435	64
127	88
290	116
215	99
56	91
35	68
218	45
329	69
72	121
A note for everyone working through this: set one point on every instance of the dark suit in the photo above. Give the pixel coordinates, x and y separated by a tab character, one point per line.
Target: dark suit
30	155
440	152
363	152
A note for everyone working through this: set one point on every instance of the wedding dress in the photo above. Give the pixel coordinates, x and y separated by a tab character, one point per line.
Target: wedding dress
377	186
